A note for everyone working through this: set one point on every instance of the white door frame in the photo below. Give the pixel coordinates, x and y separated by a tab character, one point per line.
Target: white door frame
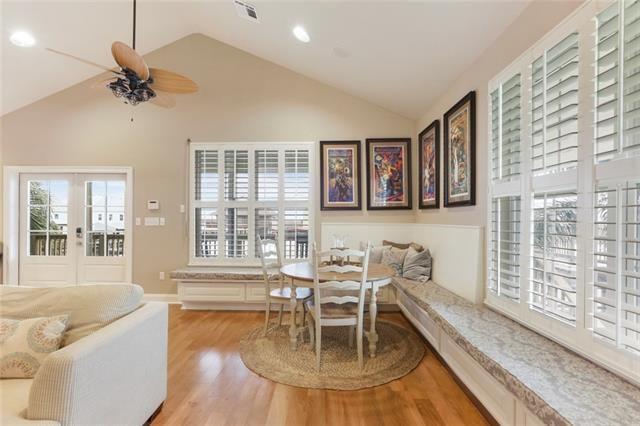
11	213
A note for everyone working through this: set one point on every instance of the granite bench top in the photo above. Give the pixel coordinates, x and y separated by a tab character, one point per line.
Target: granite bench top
557	385
221	274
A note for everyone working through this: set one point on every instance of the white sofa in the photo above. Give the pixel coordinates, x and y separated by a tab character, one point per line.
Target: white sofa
116	375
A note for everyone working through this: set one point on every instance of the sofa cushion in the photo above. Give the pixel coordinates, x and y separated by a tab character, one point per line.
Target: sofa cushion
90	307
417	265
14	401
24	344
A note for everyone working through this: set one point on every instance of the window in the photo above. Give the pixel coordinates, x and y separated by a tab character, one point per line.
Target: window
48	206
618	81
266	193
563	217
616	264
554	107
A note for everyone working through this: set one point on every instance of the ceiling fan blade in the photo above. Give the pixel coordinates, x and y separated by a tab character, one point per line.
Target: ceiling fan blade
101	83
126	57
171	82
164	100
102	67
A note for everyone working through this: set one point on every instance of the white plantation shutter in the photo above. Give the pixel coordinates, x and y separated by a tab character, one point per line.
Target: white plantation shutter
616	265
206	175
236	232
266	194
504	274
617	81
266	175
553	255
554	108
296	233
505	129
297	178
236	175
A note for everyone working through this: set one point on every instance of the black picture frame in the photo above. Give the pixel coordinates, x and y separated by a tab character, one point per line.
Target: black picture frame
435	128
468	101
325	203
405	143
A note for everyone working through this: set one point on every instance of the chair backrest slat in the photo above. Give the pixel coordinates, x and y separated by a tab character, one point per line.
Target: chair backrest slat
340	300
341	269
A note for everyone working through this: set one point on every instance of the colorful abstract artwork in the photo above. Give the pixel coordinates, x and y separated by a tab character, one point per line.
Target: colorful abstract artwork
429	166
459	152
388	174
340	175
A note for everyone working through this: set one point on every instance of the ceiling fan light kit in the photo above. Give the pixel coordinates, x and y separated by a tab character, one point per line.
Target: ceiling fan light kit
135	82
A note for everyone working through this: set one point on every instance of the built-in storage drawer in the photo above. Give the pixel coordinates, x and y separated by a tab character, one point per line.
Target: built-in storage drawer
255	293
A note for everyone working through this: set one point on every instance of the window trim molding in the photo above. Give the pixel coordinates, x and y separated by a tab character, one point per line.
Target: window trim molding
250	261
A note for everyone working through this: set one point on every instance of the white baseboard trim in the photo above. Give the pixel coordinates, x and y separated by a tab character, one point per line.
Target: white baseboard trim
160	297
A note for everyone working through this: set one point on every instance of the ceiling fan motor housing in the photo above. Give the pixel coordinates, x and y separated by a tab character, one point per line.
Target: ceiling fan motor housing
133	89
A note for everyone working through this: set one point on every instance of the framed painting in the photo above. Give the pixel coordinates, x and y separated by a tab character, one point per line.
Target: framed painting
340	175
429	166
388	173
460	153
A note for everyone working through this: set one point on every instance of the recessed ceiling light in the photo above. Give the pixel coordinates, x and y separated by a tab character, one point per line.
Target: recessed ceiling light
22	39
301	34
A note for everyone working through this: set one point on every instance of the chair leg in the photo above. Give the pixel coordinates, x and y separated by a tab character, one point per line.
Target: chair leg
304	314
318	340
352	332
266	317
311	333
359	344
280	314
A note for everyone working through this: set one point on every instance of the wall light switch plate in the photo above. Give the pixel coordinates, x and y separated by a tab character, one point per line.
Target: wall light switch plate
151	221
138	221
161	276
162	221
182	208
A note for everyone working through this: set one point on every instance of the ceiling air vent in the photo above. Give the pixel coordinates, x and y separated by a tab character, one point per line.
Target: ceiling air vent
246	11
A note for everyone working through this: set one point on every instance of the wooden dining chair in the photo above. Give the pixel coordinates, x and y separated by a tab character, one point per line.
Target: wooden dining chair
338	302
269	253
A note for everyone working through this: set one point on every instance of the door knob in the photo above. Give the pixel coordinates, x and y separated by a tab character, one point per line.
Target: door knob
79	232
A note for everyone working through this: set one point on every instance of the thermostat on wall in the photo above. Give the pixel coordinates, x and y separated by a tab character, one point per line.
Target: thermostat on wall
153	205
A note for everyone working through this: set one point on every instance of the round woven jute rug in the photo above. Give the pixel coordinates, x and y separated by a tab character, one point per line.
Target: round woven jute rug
399	351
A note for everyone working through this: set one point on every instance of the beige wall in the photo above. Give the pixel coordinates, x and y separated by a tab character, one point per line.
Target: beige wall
534	22
241	98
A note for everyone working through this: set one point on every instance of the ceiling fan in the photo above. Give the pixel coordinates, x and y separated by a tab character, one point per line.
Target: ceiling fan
134	81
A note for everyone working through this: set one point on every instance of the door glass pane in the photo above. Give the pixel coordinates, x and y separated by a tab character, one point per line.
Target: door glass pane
95	243
38	218
48	217
104	218
37	243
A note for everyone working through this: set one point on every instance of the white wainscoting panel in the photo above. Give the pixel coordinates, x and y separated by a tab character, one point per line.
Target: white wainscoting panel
457	251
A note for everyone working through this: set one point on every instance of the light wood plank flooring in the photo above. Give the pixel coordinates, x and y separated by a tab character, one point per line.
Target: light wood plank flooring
209	384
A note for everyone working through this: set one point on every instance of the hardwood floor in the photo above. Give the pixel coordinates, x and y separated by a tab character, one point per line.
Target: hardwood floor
209	384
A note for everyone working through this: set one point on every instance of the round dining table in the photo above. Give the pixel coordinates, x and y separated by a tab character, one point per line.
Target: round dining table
302	276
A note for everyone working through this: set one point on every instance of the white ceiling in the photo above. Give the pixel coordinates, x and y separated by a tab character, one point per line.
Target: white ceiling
400	55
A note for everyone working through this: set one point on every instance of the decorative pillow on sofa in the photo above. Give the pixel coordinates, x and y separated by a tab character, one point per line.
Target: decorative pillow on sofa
394	257
89	307
24	344
402	246
417	265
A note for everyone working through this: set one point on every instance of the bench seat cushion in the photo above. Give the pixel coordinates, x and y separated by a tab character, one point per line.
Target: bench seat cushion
557	385
220	274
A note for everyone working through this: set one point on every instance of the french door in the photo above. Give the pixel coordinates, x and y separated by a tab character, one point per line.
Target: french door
73	229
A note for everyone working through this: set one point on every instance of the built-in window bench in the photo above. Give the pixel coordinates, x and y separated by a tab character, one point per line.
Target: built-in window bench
521	377
240	288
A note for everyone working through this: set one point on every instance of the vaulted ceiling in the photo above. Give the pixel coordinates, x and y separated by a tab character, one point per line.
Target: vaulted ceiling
399	55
